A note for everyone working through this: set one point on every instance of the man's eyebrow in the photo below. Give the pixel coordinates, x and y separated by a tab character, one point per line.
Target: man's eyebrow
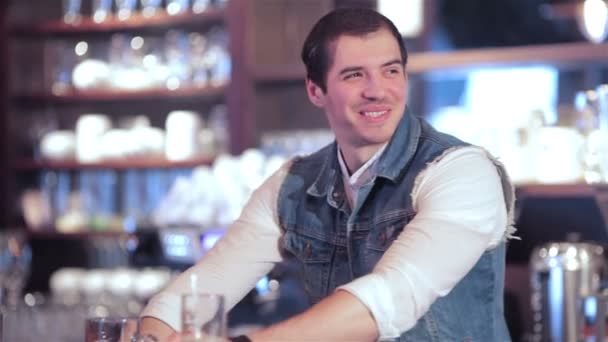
394	61
359	68
349	70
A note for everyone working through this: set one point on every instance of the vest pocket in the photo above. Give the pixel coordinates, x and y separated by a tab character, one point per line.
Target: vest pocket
382	236
314	257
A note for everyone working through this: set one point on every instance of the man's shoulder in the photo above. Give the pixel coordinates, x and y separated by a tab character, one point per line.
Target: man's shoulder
315	159
429	133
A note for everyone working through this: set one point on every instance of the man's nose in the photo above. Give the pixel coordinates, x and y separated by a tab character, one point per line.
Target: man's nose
374	89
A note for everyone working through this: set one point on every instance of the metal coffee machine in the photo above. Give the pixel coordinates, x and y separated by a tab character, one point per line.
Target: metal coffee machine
567	300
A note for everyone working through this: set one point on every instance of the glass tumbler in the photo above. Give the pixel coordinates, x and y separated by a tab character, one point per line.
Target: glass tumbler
71	11
102	9
111	329
203	318
125	8
150	7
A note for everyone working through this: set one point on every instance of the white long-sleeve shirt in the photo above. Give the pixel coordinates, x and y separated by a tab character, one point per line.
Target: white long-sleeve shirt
461	213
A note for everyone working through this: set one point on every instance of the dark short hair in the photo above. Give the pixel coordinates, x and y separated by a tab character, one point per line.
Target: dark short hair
342	21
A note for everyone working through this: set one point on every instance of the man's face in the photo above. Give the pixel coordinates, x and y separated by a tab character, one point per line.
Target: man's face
366	89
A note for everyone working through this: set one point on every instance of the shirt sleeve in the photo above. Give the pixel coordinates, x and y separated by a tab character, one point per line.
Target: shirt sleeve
247	252
460	213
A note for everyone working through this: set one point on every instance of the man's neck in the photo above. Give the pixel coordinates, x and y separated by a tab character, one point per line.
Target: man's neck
354	158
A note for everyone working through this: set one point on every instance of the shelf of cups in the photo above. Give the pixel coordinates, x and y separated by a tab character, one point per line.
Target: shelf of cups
117	164
47	233
86	25
110	95
459	62
560	190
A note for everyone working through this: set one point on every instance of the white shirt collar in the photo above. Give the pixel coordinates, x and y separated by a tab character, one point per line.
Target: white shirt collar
364	173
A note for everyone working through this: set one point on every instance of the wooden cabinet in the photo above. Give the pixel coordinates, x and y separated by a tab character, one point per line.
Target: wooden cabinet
266	91
28	97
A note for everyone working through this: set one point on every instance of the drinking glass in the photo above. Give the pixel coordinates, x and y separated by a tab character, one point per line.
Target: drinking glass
71	11
587	123
203	318
101	10
15	261
149	7
200	6
175	7
111	329
602	108
124	8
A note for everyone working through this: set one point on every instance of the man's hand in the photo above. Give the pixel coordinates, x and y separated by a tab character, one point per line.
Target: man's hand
339	317
176	337
156	328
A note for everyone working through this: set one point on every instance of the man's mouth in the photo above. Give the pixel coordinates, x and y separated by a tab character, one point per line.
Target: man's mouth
373	114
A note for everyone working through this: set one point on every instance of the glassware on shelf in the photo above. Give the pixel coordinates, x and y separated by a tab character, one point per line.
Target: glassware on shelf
177	55
61	59
175	7
602	112
203	317
217	57
149	8
198	62
102	9
219	125
125	8
15	262
71	11
587	123
200	6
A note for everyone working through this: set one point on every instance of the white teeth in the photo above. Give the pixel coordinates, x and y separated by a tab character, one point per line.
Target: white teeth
373	114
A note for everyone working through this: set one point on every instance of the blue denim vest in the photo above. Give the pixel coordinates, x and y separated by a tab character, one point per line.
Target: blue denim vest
335	244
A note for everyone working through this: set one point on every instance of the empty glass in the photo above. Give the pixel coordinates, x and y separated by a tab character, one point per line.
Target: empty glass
111	329
200	6
71	11
177	6
124	8
585	103
149	7
15	261
203	318
101	10
602	107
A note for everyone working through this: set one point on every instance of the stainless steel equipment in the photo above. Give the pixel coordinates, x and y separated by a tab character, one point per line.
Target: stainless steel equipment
565	279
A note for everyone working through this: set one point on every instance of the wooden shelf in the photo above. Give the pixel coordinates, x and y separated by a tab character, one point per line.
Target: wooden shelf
50	233
559	55
461	61
121	164
83	96
86	25
560	190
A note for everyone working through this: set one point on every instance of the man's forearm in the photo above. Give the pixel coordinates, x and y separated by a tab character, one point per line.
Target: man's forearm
156	328
339	317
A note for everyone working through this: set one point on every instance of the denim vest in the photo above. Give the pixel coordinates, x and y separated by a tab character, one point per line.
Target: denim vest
335	244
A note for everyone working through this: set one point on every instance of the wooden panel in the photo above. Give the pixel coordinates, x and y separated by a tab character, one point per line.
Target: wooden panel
438	64
5	189
286	107
137	22
118	164
281	27
83	96
239	97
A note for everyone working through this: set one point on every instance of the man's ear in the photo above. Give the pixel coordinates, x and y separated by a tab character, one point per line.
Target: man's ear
315	93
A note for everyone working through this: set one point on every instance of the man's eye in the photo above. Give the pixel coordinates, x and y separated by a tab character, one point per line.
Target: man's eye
393	71
352	75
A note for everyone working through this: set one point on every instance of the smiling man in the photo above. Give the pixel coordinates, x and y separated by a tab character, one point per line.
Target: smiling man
399	229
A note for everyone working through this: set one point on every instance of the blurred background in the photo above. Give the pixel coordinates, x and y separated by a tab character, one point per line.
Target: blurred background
134	131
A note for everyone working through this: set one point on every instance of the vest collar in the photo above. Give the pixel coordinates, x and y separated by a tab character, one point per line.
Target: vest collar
391	162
